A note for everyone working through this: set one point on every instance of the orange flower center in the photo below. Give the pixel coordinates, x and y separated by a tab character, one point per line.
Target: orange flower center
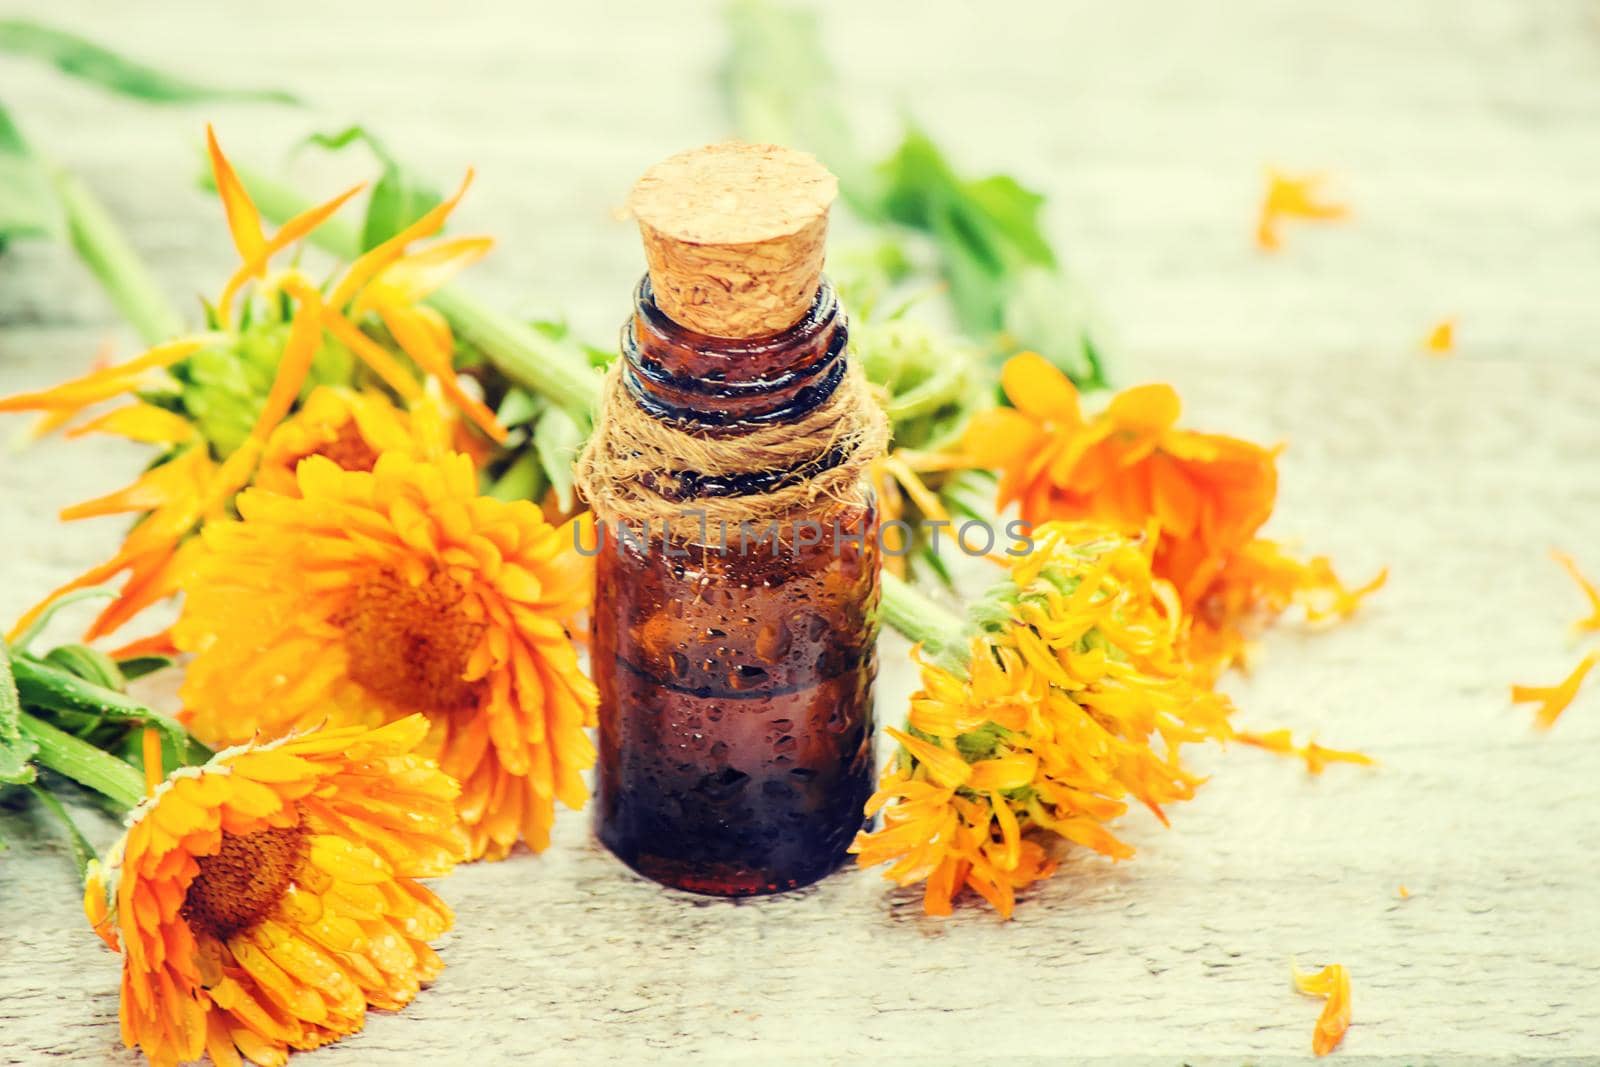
349	450
240	882
410	643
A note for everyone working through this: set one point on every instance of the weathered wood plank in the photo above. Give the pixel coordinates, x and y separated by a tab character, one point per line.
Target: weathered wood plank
1462	133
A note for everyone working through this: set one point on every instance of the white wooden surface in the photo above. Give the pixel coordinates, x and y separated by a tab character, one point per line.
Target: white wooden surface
1464	135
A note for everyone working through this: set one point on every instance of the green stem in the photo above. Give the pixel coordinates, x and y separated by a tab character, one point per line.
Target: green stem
82	850
920	619
26	637
555	370
105	250
83	763
550	368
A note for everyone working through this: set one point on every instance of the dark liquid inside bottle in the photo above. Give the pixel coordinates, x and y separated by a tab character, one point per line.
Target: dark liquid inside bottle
735	668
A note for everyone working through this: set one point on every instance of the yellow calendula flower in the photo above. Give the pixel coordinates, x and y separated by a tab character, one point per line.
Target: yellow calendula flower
367	596
1062	700
222	393
352	428
264	901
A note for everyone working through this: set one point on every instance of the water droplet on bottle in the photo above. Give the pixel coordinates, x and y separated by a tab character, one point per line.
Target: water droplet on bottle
772	641
746	676
722	785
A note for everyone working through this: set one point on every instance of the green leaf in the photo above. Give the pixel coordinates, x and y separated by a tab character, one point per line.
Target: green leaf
46	686
82	850
84	763
1004	278
987	230
139	666
557	439
112	259
87	61
974	272
16	751
917	181
523	480
399	199
87	663
780	87
335	140
1014	211
28	204
400	196
1045	312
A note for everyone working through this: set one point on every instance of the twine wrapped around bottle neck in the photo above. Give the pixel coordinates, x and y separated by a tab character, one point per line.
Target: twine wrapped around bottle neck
638	469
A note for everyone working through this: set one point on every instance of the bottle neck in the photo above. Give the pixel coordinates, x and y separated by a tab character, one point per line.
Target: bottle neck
733	384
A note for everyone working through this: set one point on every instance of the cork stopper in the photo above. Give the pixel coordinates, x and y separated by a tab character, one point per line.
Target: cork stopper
733	234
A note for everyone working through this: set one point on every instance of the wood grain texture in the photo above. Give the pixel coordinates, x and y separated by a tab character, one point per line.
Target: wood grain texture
1463	132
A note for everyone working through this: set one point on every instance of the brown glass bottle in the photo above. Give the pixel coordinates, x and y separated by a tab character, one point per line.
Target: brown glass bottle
735	669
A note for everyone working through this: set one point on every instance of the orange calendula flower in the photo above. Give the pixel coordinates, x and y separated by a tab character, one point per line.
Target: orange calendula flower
222	394
1292	197
1257	583
1553	699
1333	984
1202	497
264	901
371	595
1316	756
1061	701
